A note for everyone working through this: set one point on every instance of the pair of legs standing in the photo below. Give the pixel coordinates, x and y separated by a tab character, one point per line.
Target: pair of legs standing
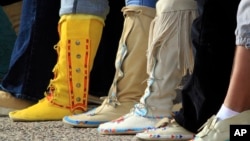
169	56
30	50
142	110
209	86
141	13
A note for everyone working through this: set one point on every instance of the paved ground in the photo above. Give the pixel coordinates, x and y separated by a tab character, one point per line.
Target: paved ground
54	131
57	131
51	131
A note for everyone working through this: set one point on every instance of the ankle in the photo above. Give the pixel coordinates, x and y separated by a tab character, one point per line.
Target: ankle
225	113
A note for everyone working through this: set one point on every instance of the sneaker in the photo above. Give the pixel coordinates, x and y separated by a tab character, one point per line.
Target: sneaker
131	123
219	130
104	113
167	130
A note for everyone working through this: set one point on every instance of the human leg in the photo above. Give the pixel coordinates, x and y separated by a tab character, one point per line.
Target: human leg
234	104
237	100
7	40
127	86
203	94
210	79
170	55
237	97
235	108
68	90
29	69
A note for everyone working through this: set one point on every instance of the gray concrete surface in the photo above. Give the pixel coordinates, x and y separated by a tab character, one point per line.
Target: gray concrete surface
51	131
57	131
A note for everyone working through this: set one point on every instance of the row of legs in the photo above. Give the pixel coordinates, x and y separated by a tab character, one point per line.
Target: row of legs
160	42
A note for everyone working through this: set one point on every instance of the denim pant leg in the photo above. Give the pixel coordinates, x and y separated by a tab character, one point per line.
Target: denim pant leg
214	41
94	7
148	3
33	56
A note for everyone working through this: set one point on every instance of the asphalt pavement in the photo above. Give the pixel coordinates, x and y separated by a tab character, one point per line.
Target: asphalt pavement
51	131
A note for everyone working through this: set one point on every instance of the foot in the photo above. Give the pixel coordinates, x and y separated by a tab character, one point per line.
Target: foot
44	110
9	103
218	130
101	114
131	123
168	130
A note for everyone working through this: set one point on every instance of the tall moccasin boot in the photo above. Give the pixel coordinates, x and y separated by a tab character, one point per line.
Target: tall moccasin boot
128	84
68	90
169	57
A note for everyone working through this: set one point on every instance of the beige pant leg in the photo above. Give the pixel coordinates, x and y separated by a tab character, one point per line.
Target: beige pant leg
129	81
170	54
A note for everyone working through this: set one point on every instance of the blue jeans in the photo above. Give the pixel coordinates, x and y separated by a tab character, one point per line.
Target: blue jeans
148	3
33	56
214	41
94	7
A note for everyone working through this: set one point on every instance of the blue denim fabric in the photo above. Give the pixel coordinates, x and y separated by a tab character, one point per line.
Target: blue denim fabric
148	3
33	56
242	31
94	7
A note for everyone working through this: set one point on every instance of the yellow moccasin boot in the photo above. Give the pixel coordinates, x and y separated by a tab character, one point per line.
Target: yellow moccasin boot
67	93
